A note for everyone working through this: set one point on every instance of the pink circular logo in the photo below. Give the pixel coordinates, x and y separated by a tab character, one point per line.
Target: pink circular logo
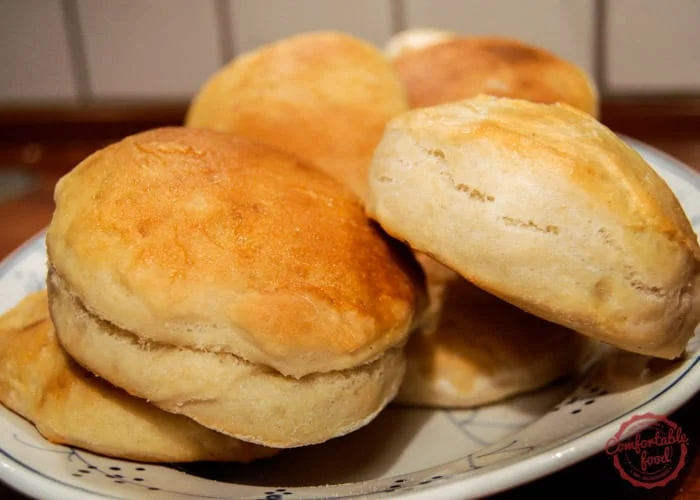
648	450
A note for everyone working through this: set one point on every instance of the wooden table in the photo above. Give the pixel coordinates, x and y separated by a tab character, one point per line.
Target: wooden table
48	151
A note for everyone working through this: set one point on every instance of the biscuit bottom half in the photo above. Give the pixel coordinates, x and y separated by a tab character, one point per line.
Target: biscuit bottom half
223	392
68	405
472	348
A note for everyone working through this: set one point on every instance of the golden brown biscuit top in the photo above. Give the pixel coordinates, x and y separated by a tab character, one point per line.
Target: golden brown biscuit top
609	171
200	238
324	96
462	67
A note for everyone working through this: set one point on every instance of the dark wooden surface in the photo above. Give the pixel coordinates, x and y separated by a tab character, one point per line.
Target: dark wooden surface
47	143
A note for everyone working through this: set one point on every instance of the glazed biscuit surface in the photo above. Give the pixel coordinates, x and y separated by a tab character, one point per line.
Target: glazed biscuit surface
448	67
324	96
199	238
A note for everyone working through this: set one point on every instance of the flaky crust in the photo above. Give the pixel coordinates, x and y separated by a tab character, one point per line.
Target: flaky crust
70	406
474	349
220	391
546	208
200	239
436	67
324	96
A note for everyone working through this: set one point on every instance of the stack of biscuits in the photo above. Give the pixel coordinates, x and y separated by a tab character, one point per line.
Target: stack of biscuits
335	227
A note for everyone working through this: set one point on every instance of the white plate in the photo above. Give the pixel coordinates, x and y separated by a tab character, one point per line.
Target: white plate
407	453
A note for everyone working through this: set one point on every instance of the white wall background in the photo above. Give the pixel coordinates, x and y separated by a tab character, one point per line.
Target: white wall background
75	51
